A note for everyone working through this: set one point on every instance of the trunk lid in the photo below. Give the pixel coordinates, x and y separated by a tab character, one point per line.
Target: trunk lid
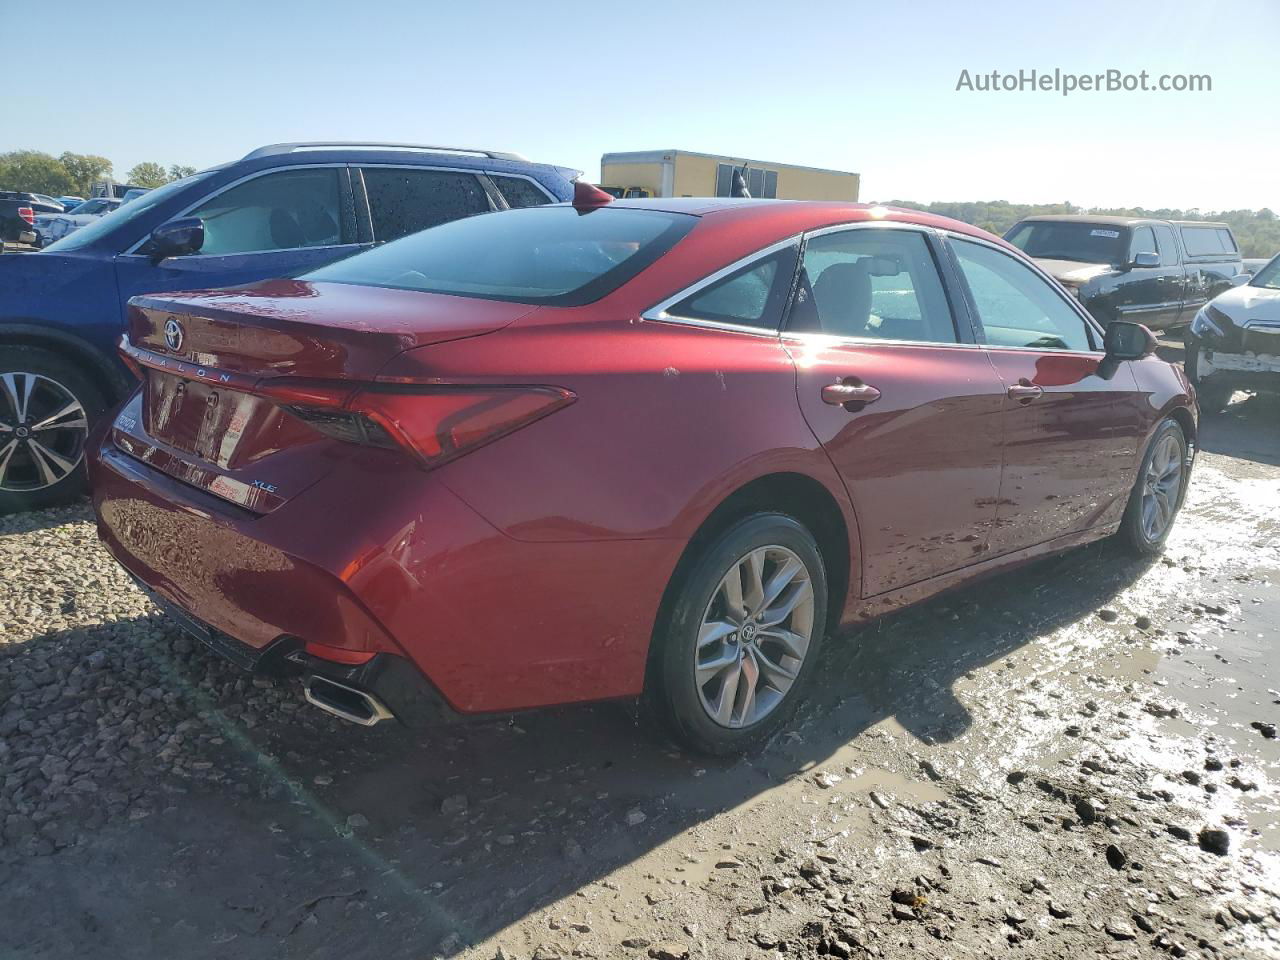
206	357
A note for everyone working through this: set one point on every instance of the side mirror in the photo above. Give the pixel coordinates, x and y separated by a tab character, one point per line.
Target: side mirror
1126	340
176	238
1146	260
1240	279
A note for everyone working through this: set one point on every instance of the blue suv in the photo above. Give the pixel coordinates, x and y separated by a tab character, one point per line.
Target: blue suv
281	210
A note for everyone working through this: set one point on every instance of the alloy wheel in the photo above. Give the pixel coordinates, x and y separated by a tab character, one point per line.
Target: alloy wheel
1161	485
43	428
754	636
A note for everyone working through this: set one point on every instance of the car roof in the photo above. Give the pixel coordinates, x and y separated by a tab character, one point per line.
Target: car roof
320	152
799	215
1113	220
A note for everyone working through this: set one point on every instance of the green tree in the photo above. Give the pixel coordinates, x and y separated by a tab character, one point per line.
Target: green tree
33	172
85	169
179	170
147	174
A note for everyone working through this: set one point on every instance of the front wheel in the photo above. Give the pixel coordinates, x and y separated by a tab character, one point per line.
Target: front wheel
46	407
737	645
1157	494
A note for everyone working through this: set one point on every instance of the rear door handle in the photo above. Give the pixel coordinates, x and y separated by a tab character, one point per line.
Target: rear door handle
1024	391
838	394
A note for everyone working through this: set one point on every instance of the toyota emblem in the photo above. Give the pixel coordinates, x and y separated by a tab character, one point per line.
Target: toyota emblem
173	334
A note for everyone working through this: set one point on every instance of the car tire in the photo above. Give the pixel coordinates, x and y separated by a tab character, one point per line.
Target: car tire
1157	492
44	466
693	660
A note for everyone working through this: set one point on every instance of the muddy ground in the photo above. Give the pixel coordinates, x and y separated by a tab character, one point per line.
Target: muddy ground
1077	759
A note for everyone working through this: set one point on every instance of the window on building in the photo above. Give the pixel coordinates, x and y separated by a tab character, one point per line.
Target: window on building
760	182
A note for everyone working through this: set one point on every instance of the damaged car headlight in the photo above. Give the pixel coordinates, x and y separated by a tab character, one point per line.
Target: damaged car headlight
1203	326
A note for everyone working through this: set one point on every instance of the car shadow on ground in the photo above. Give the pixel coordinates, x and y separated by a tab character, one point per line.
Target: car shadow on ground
1249	429
471	828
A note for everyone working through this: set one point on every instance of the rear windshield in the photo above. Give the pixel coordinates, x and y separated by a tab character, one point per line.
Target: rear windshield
1067	240
555	255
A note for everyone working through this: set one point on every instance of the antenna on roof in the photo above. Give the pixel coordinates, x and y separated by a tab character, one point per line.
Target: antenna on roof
587	196
740	182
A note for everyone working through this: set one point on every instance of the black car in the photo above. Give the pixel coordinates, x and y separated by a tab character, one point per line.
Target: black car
37	202
17	220
1155	272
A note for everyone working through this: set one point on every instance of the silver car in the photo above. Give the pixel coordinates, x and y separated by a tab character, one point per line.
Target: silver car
55	226
1234	340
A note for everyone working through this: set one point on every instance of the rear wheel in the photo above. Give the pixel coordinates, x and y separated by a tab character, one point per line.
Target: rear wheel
46	407
737	646
1157	494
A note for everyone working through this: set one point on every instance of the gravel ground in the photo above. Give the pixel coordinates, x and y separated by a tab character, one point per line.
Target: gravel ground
1076	759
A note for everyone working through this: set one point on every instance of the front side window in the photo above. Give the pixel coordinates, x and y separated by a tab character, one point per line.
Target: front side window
1167	246
1017	306
872	283
405	200
750	297
520	192
121	216
1143	241
551	255
277	211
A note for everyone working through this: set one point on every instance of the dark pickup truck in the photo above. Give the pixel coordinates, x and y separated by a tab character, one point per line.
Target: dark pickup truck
17	219
1156	272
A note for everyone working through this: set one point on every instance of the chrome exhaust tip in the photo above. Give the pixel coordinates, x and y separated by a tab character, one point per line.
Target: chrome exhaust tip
343	701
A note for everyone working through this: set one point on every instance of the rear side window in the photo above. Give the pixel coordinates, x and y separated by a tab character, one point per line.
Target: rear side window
552	255
872	284
752	296
1207	241
276	211
520	192
1017	306
405	200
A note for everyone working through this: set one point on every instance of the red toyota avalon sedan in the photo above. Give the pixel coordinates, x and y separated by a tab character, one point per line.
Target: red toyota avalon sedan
653	448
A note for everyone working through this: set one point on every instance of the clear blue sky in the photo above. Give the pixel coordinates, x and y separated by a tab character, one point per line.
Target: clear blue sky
834	83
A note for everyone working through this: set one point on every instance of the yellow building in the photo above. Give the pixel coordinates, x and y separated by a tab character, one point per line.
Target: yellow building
683	173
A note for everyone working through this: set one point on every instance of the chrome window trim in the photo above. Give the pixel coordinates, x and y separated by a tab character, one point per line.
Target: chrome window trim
223	189
836	339
1053	285
658	312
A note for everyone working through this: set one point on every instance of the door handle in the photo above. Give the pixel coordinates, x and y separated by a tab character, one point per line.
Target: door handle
838	394
1024	391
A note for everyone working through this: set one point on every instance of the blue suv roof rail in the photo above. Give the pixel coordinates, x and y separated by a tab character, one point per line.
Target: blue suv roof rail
275	149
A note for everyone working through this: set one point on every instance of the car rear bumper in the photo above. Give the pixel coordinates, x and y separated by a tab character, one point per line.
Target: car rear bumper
396	567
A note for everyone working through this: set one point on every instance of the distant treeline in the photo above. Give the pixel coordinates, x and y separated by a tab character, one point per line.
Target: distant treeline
1257	231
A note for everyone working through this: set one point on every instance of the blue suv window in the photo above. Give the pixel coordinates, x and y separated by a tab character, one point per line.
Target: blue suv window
404	200
277	211
520	192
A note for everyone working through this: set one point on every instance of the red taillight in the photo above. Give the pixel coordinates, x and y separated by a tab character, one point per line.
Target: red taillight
437	422
27	214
